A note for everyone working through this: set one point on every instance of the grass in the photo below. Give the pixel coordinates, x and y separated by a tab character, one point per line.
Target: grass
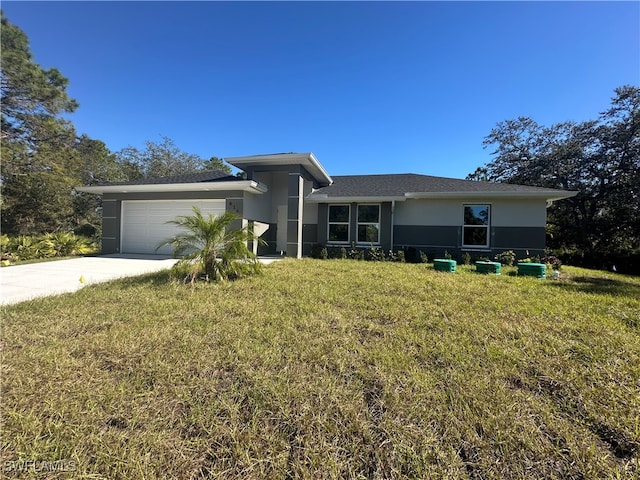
329	369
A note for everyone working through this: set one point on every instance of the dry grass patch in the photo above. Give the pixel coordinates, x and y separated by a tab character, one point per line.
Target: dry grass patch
329	369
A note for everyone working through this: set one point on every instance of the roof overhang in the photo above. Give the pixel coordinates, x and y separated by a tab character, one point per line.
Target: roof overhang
250	186
549	196
324	198
307	160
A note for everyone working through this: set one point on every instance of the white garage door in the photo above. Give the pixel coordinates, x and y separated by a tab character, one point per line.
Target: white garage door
144	222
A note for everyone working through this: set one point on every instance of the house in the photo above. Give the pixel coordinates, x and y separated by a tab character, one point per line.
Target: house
295	204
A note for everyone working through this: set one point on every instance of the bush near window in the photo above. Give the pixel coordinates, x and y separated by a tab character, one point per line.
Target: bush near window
507	258
374	254
49	245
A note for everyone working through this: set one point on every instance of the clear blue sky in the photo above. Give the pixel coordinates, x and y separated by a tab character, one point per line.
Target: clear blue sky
369	87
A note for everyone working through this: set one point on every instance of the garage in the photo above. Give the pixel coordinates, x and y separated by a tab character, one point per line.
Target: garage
144	222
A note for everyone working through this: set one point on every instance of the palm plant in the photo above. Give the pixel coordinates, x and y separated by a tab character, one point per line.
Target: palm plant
209	248
62	244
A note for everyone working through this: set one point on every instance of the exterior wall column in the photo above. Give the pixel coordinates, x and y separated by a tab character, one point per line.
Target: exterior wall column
295	206
236	205
111	223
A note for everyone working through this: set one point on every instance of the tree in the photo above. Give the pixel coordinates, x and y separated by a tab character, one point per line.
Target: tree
31	96
600	159
215	163
209	247
96	164
37	144
161	159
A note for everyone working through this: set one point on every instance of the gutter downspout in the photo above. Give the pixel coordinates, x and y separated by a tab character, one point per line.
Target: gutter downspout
393	209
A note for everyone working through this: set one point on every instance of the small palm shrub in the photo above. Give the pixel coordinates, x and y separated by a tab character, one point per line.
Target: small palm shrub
64	244
25	247
210	250
49	245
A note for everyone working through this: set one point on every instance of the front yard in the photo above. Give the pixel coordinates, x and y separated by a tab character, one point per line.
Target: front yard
327	369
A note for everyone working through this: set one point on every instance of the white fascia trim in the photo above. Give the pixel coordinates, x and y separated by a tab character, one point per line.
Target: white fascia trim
326	199
250	186
549	196
307	160
314	161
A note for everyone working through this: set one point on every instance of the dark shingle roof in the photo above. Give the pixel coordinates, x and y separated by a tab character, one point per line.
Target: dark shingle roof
397	185
200	177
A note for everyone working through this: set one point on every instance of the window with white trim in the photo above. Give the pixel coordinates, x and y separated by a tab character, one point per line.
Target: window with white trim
339	223
475	229
369	224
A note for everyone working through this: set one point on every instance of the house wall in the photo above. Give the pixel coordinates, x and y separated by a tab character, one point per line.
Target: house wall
321	233
435	225
260	208
292	223
112	210
309	221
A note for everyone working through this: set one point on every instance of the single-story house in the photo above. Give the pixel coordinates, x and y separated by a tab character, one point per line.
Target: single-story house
295	204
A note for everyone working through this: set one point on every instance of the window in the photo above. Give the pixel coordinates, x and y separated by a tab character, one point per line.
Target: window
339	223
475	231
368	223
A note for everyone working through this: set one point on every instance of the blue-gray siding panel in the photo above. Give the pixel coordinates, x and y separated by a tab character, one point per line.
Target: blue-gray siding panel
509	238
421	235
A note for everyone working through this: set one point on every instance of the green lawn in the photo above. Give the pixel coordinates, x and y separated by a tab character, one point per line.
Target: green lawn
328	369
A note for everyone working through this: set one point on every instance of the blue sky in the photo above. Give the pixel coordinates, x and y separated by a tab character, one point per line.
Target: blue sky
369	87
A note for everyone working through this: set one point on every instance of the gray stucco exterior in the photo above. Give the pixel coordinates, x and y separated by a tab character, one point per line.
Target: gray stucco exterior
291	195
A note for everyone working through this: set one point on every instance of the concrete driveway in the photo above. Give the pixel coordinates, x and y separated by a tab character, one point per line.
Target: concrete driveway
24	282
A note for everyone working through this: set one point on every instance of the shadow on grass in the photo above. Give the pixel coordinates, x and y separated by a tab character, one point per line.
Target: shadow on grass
155	279
609	286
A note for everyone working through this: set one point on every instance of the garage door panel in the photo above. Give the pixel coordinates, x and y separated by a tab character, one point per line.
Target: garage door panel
145	223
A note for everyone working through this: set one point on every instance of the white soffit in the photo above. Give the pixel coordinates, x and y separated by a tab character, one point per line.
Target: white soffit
250	186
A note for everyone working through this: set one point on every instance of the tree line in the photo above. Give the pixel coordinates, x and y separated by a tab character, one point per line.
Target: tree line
43	158
600	159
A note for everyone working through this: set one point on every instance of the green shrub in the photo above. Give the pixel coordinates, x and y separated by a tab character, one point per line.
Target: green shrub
553	262
375	254
49	245
64	244
24	247
316	250
507	258
355	254
86	230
